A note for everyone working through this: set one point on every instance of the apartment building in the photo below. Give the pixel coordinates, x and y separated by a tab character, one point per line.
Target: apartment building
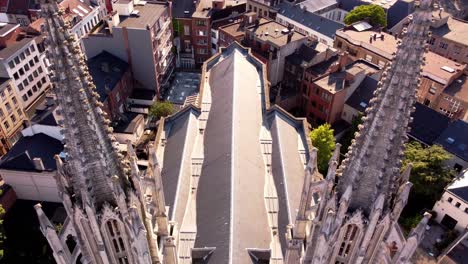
20	60
195	40
326	95
140	34
272	42
439	73
263	8
21	12
12	116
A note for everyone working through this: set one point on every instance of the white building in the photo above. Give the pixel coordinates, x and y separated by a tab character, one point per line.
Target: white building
452	208
82	16
20	59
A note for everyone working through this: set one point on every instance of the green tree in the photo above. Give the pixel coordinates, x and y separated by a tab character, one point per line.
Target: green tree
374	14
161	109
323	139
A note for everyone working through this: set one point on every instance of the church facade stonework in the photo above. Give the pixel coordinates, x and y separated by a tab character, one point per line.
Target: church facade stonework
120	214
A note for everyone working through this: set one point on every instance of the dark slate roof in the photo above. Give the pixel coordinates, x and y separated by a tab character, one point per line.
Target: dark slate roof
454	139
102	79
228	11
129	123
304	54
359	100
397	12
460	186
349	5
316	22
22	153
427	124
180	6
321	68
3	80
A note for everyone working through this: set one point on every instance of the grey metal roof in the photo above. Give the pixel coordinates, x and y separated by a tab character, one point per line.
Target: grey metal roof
454	139
231	214
22	153
148	15
317	5
313	21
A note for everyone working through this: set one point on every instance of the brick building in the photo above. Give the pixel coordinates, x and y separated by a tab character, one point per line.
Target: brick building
114	83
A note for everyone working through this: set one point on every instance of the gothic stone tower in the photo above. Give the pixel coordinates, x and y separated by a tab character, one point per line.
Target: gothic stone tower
351	215
116	214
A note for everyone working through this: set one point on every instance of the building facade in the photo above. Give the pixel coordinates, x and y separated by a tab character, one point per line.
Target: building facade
12	116
140	34
20	60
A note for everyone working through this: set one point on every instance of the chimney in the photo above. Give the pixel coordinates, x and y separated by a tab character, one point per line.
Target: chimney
218	4
343	61
38	164
249	18
290	34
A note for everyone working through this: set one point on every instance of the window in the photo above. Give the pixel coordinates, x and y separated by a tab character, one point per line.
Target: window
265	13
2	114
450	199
36	59
30	78
6	124
32	48
11	64
35	89
13	118
186	30
22	56
255	9
250	7
431	41
21	72
432	90
457	205
3	95
443	45
25	82
9	89
8	107
27	52
200	22
35	74
201	33
21	87
466	210
16	76
213	34
17	60
381	63
40	69
30	93
25	98
368	57
15	102
26	67
202	51
31	63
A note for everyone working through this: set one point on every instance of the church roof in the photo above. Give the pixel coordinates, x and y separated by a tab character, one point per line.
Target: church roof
228	143
427	124
454	139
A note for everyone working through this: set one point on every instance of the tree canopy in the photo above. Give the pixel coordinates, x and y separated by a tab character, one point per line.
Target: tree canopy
429	177
161	109
374	14
323	139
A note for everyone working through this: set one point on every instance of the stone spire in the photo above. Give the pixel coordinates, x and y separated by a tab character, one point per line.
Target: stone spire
373	162
89	149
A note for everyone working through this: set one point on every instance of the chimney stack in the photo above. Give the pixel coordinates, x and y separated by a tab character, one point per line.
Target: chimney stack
38	164
290	34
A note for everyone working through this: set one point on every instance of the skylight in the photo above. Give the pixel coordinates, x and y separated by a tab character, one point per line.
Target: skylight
450	140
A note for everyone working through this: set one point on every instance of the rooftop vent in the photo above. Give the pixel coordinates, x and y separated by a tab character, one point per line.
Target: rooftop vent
448	69
450	140
2	24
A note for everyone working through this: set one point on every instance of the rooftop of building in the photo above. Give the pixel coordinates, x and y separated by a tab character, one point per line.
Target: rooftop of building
322	67
275	33
335	82
21	155
44	114
459	186
182	8
12	48
313	21
21	6
6	28
306	53
458	88
428	124
454	139
384	44
129	123
233	92
205	9
317	5
237	29
148	15
4	80
361	97
75	10
107	70
441	69
455	30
